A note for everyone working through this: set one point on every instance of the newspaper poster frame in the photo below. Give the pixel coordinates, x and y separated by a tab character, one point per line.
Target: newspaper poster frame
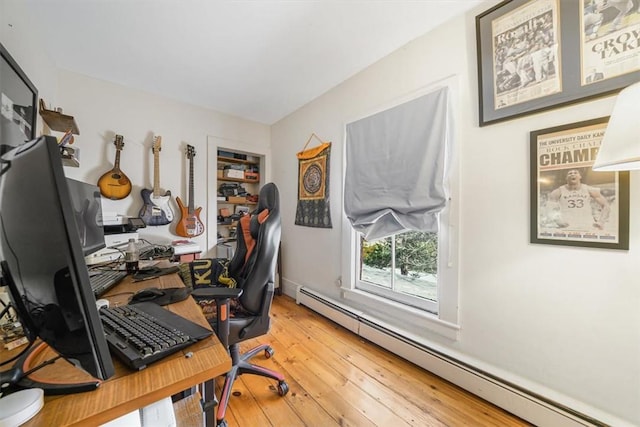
571	204
568	26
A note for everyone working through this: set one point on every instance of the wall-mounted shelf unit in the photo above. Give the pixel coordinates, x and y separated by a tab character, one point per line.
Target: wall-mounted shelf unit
59	122
56	121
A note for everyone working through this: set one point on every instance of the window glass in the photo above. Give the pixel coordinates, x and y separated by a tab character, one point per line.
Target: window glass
403	267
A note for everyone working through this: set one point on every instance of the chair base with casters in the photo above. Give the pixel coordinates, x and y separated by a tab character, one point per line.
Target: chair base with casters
241	365
239	362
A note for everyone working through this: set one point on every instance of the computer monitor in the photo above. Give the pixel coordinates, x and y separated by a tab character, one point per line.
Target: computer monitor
43	256
87	208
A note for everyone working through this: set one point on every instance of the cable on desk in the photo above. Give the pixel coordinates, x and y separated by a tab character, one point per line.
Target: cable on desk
17	356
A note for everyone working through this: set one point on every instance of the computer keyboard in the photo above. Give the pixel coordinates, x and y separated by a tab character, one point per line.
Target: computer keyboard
144	333
103	280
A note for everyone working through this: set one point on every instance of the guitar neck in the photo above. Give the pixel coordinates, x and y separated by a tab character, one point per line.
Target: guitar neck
156	173
191	205
117	161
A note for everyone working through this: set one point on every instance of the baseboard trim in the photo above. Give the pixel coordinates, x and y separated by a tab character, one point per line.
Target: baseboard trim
513	398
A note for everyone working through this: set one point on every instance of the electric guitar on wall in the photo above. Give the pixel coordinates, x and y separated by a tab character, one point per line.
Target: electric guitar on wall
115	185
156	209
190	224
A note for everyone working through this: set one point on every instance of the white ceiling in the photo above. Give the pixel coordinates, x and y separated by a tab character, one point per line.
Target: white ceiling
259	59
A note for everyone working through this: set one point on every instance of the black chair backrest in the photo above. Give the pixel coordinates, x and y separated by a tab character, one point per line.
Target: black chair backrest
253	274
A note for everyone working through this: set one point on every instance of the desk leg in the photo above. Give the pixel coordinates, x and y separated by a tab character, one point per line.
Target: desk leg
209	402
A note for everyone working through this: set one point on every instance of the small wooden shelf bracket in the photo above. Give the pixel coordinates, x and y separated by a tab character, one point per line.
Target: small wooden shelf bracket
58	121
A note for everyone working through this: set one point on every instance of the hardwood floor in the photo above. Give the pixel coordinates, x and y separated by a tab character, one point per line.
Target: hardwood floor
338	379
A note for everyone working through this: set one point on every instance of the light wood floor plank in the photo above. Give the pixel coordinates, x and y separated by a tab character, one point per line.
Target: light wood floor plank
338	379
410	382
344	411
247	411
348	375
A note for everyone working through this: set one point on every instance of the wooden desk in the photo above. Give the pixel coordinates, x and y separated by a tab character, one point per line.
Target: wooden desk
129	390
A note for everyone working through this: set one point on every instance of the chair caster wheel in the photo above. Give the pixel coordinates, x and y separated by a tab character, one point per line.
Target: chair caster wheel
268	353
283	388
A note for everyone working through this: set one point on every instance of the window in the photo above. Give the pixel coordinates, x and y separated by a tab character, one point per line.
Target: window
402	267
401	213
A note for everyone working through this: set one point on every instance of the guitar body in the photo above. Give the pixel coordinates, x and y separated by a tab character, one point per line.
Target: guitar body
155	209
190	224
114	185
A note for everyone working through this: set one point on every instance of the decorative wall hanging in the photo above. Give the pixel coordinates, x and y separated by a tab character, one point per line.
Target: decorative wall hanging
313	208
571	204
535	55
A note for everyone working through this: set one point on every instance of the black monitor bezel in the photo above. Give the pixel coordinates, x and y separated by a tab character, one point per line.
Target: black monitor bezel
87	312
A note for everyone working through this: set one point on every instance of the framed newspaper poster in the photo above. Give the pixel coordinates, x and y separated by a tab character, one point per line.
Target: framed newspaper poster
535	55
570	203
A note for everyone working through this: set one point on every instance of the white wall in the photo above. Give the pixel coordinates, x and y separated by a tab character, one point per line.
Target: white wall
561	321
102	109
24	44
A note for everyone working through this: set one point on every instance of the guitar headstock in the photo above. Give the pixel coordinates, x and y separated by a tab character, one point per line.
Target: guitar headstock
157	144
119	142
191	152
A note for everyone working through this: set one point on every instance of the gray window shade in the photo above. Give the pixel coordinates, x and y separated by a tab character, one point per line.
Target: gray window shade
395	167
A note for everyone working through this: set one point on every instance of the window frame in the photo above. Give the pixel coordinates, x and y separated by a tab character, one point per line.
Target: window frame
444	319
413	301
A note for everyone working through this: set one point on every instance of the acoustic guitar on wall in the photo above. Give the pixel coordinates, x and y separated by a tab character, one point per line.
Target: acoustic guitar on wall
190	224
115	185
156	209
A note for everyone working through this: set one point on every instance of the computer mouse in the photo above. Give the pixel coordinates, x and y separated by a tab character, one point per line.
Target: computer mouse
148	294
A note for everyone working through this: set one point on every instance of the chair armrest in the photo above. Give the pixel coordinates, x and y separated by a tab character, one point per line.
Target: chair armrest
223	296
217	292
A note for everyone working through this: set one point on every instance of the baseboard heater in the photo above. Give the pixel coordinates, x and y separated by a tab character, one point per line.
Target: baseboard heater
512	398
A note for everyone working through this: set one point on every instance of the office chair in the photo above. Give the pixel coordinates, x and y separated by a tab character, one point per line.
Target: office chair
253	267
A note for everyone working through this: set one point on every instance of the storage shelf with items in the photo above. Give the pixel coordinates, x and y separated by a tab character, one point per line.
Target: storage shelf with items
238	184
238	170
56	121
227	179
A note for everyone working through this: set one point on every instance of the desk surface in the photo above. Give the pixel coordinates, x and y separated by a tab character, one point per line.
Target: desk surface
129	390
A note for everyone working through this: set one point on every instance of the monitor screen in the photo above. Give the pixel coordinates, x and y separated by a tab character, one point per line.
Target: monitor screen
87	208
43	256
18	97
